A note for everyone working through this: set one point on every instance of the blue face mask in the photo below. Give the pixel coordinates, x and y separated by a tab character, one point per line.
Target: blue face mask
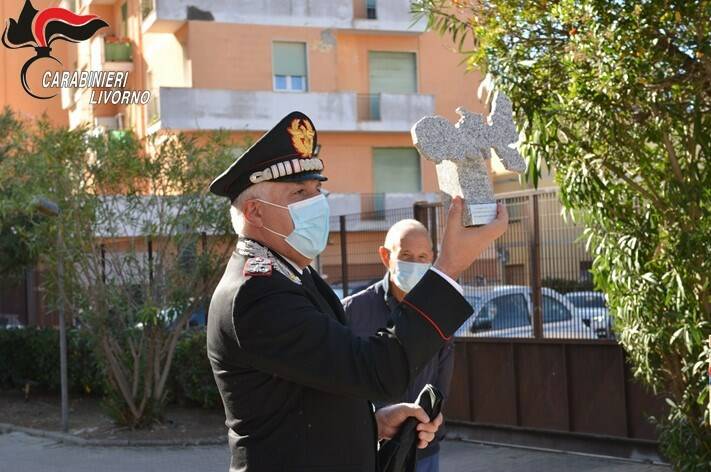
310	218
407	274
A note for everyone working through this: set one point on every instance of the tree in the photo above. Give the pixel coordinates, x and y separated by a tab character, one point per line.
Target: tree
616	97
144	243
19	225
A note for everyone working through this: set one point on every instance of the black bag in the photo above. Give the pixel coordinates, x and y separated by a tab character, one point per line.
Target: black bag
399	454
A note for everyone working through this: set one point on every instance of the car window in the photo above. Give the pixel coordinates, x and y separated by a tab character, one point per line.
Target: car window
587	301
473	300
554	311
507	311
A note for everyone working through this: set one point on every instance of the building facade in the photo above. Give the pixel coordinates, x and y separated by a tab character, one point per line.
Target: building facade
359	68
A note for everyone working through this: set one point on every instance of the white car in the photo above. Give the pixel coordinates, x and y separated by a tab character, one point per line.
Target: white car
506	311
591	307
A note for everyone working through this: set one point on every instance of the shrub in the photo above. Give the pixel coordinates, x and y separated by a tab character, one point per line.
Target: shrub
192	374
32	355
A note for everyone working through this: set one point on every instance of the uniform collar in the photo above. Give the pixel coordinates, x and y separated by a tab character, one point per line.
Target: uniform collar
292	263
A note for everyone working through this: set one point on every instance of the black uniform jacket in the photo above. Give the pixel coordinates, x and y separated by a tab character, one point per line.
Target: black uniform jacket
295	381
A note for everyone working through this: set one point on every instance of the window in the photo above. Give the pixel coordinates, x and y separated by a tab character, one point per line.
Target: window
554	311
506	311
392	72
371	11
289	67
396	170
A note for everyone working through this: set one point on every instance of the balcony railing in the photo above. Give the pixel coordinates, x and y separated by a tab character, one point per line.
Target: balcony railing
199	108
369	107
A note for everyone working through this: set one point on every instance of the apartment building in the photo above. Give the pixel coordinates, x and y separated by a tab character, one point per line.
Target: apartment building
360	68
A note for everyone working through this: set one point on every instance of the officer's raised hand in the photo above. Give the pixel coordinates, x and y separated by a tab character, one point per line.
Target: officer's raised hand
461	245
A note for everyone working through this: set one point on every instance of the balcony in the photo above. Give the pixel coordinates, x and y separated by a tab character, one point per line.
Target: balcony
210	109
374	211
385	16
166	16
111	54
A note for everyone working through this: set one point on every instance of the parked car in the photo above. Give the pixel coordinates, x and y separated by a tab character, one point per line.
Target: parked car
169	316
507	311
591	307
10	321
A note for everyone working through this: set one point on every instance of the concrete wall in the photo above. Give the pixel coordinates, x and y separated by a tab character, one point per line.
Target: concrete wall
353	203
167	60
338	13
391	15
210	109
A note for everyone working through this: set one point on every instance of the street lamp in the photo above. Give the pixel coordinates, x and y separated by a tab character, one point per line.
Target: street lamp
51	209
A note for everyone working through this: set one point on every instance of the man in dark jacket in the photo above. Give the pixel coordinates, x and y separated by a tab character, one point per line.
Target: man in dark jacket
294	379
407	255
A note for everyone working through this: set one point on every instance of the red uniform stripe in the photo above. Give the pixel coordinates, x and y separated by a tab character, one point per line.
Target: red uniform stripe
429	320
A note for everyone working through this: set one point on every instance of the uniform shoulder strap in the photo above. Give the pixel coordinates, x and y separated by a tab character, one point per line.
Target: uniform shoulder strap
259	256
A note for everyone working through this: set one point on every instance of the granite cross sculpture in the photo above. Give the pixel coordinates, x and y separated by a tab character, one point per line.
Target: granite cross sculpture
459	151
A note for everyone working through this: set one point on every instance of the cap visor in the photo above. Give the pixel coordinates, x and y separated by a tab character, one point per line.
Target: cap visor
300	177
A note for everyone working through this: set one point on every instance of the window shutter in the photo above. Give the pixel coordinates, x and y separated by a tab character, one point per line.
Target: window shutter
392	72
289	58
396	170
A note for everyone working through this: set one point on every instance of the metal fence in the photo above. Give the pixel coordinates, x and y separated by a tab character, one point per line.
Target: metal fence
534	282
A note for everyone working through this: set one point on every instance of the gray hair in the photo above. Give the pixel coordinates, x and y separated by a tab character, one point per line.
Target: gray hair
399	229
261	190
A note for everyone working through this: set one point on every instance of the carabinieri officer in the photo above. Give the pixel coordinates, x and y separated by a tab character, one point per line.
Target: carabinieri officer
296	383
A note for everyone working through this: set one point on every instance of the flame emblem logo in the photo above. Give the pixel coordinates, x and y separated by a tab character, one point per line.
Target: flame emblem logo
38	29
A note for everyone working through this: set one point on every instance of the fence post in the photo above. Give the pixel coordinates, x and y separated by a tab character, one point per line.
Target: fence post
426	213
433	229
419	212
103	263
150	261
534	240
344	254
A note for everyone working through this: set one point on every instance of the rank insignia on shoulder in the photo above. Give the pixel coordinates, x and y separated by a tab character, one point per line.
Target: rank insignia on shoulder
258	267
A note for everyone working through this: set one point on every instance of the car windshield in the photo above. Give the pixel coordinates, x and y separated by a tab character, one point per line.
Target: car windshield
507	311
592	300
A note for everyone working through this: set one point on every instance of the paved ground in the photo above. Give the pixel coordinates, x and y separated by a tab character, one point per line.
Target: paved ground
22	453
460	456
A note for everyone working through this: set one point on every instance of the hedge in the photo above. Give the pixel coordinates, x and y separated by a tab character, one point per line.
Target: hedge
32	355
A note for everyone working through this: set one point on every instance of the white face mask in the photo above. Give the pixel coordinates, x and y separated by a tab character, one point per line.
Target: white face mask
311	225
407	274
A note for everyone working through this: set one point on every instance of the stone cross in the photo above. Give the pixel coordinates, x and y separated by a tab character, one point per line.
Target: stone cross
459	151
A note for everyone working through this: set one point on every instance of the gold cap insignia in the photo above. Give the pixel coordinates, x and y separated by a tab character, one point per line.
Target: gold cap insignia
302	136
